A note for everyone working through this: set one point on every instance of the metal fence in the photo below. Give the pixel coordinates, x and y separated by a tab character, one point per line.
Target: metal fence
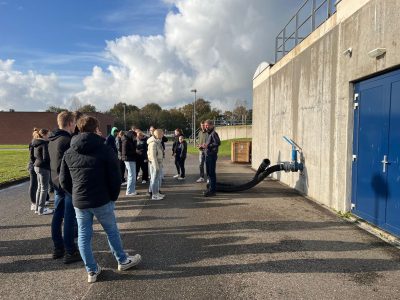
309	16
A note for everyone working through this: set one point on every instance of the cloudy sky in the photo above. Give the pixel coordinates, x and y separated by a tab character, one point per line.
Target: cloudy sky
106	51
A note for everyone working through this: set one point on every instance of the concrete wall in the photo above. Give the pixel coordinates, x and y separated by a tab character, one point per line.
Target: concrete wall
234	132
308	96
17	127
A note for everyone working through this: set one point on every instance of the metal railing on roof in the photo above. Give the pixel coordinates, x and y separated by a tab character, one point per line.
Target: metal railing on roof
297	30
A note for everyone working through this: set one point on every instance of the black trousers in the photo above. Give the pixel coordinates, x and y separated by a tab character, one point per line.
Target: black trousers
122	168
180	166
141	164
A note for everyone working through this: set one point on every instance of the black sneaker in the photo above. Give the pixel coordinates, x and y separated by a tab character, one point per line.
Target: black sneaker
209	194
71	258
58	253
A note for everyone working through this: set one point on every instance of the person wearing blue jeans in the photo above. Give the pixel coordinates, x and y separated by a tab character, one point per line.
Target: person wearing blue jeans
90	172
129	155
64	221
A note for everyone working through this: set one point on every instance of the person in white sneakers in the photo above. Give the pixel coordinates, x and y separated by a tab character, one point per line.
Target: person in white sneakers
155	154
90	172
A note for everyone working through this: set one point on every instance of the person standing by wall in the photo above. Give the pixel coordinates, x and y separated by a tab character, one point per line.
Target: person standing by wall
32	174
211	150
129	155
202	139
155	154
42	168
64	213
90	172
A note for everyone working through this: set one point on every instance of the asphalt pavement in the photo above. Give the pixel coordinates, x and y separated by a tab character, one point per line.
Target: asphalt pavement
265	243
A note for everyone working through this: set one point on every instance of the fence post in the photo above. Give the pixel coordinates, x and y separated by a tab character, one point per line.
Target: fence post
313	14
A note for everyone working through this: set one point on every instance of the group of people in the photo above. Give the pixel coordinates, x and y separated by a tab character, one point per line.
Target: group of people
86	172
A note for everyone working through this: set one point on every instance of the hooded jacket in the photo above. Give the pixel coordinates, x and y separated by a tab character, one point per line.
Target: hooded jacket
90	172
110	140
41	153
59	142
155	152
128	148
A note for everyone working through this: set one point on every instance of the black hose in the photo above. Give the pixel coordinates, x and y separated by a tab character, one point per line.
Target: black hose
263	171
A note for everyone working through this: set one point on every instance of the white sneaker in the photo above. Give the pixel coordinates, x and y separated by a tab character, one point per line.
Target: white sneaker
201	179
124	183
157	197
130	262
47	203
208	180
137	178
176	176
181	178
144	181
92	276
46	211
132	194
33	206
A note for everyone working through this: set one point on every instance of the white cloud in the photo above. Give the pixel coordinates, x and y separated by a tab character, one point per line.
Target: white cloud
214	46
30	90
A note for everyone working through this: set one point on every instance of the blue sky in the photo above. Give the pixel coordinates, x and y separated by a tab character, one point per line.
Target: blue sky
68	37
102	51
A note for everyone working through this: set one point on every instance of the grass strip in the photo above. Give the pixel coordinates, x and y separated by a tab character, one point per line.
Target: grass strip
13	165
224	149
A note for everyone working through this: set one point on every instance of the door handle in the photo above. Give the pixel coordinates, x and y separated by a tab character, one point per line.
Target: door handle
384	163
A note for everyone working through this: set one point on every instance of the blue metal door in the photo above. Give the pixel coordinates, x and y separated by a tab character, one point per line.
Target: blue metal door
376	168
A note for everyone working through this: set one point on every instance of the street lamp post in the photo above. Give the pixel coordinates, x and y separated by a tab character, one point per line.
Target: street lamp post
194	117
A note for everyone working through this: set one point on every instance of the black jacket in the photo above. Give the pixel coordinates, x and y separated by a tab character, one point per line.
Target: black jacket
41	153
213	142
142	148
90	172
128	148
175	144
181	150
110	141
59	142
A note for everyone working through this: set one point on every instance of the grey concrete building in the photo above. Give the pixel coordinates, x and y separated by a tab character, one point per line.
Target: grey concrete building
337	94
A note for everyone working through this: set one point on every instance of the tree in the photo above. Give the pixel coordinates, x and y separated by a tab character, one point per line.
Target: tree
150	113
55	109
87	108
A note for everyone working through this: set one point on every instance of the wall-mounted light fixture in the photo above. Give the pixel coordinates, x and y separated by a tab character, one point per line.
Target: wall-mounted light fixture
348	51
377	52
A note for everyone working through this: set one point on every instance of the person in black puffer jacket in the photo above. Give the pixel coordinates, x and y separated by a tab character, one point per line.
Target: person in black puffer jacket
42	168
128	155
90	171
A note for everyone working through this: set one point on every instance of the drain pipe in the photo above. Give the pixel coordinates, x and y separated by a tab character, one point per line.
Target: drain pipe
264	170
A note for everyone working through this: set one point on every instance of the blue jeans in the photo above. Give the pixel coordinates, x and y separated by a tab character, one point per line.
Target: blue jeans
211	164
63	210
155	178
106	217
131	181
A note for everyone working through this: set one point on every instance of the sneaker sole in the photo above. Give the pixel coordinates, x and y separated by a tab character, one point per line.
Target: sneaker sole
123	268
